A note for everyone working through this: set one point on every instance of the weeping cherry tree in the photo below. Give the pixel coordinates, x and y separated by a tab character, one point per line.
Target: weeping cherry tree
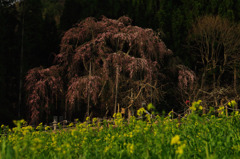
102	65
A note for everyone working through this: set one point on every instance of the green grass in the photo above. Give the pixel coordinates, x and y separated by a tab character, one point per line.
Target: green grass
196	137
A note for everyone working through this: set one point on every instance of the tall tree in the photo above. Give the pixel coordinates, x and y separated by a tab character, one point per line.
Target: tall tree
8	60
101	63
53	9
215	40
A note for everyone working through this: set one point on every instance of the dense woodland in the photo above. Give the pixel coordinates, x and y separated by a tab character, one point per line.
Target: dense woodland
201	39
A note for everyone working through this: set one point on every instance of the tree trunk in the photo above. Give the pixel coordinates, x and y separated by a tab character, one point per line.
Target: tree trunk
214	74
235	81
129	114
235	78
21	68
90	74
115	107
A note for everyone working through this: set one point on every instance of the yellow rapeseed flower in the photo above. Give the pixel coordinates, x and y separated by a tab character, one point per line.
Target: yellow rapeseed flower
175	140
233	103
40	126
130	134
47	128
155	133
87	119
180	149
106	149
94	120
70	125
236	113
113	137
130	148
141	111
193	108
23	122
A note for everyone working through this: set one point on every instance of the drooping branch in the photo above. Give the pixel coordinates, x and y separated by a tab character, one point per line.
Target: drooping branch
101	61
44	85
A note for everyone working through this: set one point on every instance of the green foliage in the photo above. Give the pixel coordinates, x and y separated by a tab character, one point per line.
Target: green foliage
193	137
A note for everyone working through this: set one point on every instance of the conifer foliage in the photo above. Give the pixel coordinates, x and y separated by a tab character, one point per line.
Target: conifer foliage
102	64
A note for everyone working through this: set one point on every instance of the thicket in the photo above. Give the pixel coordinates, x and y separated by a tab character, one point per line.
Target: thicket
215	45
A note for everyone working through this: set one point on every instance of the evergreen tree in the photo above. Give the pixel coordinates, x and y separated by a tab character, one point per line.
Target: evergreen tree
9	58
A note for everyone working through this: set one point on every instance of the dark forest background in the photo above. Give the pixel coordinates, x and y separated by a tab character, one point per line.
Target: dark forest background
31	31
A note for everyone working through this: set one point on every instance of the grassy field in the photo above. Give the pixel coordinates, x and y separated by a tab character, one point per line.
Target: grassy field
207	136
